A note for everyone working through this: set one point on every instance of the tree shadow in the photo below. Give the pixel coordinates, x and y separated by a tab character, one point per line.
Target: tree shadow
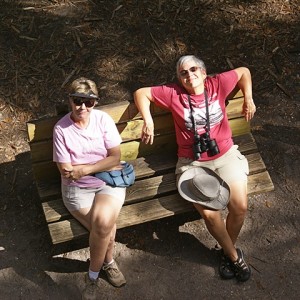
24	240
26	244
165	238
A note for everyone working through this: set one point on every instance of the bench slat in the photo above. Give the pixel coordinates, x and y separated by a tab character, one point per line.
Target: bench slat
167	142
149	188
164	138
152	164
144	167
121	112
150	210
154	195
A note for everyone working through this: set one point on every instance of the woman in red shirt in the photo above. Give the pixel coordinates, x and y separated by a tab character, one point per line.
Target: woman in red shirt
196	99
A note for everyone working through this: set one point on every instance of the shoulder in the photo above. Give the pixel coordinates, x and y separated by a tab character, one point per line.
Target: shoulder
229	75
171	88
221	78
100	116
65	120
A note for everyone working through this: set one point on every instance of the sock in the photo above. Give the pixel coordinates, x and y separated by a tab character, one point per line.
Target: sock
93	275
108	263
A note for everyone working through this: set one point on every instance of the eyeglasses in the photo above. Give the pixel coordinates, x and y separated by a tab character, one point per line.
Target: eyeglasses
184	73
78	101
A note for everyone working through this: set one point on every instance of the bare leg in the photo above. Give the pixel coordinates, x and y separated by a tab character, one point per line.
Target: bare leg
100	221
110	249
237	208
217	229
226	235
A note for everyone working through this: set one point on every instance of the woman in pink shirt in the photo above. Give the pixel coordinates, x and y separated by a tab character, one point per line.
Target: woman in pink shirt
86	141
204	139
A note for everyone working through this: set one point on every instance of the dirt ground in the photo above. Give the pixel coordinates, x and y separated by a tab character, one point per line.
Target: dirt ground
123	45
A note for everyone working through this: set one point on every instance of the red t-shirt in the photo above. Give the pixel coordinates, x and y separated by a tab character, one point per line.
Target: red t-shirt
173	97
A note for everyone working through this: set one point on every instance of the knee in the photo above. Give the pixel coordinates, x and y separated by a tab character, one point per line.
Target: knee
243	208
102	227
211	218
238	204
239	209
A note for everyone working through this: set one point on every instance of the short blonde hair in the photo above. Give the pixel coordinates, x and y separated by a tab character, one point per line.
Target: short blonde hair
83	85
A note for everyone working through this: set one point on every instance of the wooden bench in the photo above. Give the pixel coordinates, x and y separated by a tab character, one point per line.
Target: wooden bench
154	194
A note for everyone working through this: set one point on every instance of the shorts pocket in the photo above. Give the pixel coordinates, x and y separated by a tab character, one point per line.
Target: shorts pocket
68	194
183	164
244	163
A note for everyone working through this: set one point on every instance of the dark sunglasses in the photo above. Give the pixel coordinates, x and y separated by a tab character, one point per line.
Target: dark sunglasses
184	73
78	101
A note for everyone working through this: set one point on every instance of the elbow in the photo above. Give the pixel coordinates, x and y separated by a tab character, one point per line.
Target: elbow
137	94
142	95
246	73
243	72
115	159
244	77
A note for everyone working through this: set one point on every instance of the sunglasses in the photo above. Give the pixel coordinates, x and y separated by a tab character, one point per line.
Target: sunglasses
184	73
78	101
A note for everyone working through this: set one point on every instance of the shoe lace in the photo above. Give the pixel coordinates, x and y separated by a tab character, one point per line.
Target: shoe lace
112	269
225	261
241	264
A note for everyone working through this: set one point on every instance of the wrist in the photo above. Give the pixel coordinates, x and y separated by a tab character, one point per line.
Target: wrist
248	99
149	123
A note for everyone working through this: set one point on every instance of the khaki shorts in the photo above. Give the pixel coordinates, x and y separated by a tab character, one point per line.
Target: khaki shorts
76	198
232	166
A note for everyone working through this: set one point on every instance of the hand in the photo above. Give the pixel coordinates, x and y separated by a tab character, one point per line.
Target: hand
148	133
117	168
78	172
249	109
67	172
73	173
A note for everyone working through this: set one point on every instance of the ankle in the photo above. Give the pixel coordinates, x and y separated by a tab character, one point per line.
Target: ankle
108	263
93	275
233	256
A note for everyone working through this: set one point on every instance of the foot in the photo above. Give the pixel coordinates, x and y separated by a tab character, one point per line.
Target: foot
114	275
226	267
241	269
91	289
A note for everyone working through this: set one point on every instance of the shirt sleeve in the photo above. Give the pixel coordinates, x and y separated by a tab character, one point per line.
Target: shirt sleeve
163	95
227	80
60	152
111	134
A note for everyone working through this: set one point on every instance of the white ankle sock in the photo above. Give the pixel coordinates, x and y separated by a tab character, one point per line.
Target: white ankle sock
93	275
108	263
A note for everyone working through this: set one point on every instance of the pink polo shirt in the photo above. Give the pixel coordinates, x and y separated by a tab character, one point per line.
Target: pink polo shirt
75	145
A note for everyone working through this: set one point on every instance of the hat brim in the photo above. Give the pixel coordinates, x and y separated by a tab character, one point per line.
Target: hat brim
82	95
184	190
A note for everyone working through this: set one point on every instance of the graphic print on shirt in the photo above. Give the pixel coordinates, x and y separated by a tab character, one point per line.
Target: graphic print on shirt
199	114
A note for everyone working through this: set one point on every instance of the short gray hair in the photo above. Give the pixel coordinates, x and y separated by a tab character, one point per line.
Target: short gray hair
183	59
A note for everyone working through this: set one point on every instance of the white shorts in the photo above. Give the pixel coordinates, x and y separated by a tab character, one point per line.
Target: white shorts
232	166
76	198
